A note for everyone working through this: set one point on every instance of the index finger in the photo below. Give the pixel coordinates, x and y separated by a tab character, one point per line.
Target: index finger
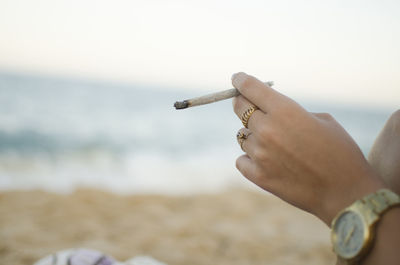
256	91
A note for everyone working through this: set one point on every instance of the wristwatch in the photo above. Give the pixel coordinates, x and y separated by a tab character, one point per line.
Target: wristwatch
353	229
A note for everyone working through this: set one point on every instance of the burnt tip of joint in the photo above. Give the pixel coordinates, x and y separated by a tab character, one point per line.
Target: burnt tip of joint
181	104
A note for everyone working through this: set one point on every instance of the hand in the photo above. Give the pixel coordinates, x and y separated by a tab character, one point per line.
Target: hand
384	156
306	159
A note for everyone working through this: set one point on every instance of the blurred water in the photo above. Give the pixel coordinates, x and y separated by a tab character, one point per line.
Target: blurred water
58	134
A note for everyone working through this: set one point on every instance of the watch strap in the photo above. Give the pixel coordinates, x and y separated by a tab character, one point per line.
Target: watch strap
378	202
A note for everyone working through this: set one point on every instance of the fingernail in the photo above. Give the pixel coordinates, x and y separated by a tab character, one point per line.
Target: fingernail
238	78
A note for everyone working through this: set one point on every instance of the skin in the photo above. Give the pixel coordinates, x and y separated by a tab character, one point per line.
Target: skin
306	159
384	157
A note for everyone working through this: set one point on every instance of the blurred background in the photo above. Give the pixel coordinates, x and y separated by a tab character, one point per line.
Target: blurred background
87	89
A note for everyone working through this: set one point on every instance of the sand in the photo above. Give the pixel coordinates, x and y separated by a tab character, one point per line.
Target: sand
232	227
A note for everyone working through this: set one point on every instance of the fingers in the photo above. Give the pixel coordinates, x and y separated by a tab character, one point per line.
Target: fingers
246	166
256	91
240	105
250	170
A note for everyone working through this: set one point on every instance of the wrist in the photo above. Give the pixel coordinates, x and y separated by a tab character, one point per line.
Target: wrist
345	196
354	229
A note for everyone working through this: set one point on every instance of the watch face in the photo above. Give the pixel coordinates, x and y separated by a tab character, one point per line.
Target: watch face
349	234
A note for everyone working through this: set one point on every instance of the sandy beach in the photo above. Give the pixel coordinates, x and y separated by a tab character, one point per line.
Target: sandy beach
233	227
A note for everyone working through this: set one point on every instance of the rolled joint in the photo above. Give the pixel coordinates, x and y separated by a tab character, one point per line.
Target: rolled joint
181	104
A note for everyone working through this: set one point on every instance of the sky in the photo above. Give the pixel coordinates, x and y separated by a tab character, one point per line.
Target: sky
335	51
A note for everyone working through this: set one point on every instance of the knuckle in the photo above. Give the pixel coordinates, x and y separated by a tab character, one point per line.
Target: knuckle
259	154
238	164
396	113
269	136
325	116
395	116
287	104
289	109
394	120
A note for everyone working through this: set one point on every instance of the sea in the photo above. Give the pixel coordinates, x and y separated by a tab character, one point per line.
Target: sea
59	134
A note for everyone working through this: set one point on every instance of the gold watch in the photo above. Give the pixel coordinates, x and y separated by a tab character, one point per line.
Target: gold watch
353	229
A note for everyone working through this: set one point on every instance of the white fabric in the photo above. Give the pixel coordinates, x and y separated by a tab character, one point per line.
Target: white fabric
88	257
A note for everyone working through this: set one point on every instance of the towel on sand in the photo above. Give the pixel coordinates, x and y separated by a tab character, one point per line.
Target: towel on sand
91	257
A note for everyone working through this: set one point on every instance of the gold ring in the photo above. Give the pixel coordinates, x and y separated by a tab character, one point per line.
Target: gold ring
241	137
247	114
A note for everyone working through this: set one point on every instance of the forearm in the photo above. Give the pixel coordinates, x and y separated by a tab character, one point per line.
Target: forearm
387	241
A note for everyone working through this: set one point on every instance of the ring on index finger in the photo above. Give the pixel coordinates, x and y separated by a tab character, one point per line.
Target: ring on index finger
246	116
